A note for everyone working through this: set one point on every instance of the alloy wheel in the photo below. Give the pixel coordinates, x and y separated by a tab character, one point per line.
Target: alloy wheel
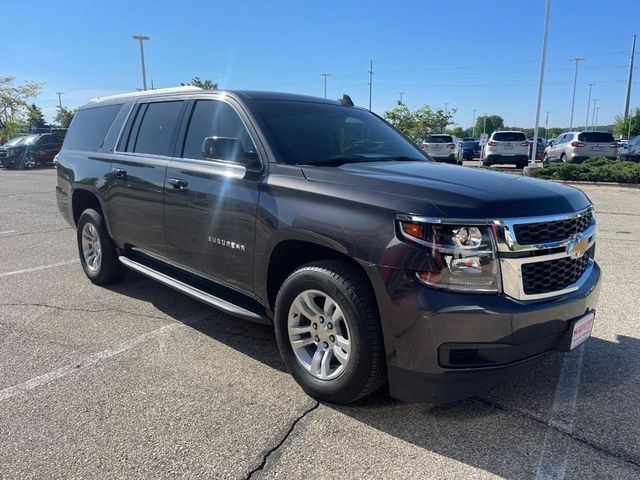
319	334
91	247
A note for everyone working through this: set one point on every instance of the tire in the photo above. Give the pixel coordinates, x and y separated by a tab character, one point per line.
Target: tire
28	162
103	267
362	369
486	163
563	158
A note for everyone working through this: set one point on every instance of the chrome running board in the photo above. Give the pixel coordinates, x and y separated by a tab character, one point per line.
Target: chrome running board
193	292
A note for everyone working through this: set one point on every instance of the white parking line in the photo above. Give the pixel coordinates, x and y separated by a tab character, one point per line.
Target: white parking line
8	231
93	359
41	267
553	458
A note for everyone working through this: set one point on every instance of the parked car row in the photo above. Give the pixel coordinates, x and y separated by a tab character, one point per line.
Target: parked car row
28	151
631	151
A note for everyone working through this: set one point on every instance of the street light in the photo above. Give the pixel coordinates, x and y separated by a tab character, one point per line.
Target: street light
60	99
474	124
575	80
595	125
142	38
593	118
586	125
325	75
401	95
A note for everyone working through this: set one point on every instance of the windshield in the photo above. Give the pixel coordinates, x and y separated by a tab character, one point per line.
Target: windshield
509	136
14	141
29	139
313	133
439	139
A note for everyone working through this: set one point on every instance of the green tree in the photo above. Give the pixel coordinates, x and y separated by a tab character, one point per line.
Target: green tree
64	116
458	131
421	123
35	119
630	127
204	84
13	105
494	122
402	118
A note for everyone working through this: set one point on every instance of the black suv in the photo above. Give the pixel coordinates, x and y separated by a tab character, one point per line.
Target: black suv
371	261
29	151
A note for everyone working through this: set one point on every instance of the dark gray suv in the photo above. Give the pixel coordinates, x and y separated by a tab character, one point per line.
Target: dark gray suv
375	265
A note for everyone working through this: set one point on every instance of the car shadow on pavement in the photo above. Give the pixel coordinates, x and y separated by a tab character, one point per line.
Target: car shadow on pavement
501	431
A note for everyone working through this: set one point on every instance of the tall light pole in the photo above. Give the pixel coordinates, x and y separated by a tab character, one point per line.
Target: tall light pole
370	82
401	95
629	79
586	125
546	126
593	118
142	38
595	125
325	75
60	99
484	123
575	81
543	58
474	124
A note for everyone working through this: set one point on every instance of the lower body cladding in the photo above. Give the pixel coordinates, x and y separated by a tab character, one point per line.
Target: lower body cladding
443	346
447	159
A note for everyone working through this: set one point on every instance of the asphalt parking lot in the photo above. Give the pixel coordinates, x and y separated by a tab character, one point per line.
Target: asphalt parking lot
139	381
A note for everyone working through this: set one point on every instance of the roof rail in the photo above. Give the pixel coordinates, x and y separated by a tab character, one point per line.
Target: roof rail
145	93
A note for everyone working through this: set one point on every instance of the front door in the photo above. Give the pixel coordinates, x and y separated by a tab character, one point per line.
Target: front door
210	205
137	176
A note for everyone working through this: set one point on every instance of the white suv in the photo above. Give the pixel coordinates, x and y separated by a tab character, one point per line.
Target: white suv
443	148
509	147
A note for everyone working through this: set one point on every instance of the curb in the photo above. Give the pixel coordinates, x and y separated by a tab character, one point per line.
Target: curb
596	184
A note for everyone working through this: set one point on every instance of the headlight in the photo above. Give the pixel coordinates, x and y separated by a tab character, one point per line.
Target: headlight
12	151
461	257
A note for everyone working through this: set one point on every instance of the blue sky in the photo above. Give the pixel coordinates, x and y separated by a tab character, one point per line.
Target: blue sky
470	54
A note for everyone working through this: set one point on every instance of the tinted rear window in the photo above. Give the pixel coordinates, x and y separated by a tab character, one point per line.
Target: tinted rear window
439	139
509	137
89	127
603	137
157	128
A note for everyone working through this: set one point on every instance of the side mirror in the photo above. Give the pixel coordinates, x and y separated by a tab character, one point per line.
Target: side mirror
229	149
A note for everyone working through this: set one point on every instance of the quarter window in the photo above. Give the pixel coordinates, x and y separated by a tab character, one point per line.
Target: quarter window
89	127
211	118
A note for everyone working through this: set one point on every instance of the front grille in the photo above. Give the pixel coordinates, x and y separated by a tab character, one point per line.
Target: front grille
544	232
553	275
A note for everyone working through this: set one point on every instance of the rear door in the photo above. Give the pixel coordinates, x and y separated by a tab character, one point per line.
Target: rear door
210	204
138	169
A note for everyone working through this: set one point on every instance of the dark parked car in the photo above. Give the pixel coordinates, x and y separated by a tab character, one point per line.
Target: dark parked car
470	149
631	151
31	150
371	261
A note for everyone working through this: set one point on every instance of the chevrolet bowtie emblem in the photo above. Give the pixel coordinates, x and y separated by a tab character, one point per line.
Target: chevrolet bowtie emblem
577	247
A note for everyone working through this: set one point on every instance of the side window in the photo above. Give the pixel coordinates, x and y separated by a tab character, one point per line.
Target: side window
89	127
154	128
212	118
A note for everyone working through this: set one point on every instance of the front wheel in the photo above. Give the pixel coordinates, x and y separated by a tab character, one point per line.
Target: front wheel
329	332
98	254
28	162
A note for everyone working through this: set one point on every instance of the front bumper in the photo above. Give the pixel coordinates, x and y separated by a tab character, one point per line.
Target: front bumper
443	346
12	161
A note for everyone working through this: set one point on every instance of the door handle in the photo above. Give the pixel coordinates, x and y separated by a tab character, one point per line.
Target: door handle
119	172
178	183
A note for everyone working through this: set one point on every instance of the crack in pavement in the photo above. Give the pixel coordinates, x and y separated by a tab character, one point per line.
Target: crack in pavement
84	310
621	456
36	233
267	454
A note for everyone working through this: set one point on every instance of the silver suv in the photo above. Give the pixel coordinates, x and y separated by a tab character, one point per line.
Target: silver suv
443	148
575	147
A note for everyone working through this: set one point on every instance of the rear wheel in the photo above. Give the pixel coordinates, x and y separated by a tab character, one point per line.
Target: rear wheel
98	254
563	158
329	333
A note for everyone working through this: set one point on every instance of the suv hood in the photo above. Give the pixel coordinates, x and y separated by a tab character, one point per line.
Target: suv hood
459	192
